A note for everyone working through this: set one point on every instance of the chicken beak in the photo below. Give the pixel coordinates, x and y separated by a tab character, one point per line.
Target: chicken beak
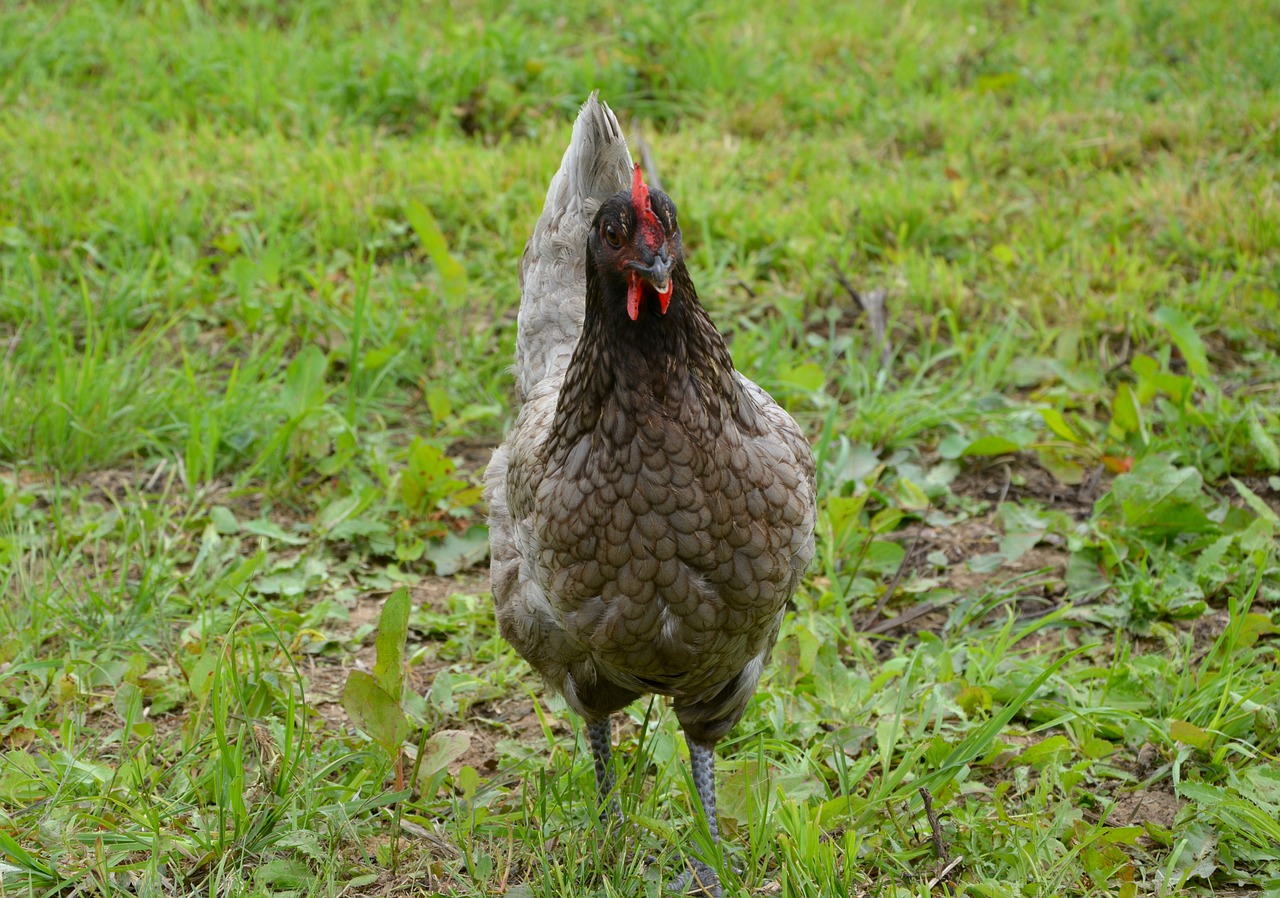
658	276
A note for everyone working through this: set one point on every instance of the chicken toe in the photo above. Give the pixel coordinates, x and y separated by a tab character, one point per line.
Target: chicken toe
698	880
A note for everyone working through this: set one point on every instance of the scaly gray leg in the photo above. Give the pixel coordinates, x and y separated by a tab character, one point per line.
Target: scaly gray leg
600	735
701	877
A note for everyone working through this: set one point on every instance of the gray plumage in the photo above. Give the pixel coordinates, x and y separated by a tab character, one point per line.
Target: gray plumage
652	510
595	166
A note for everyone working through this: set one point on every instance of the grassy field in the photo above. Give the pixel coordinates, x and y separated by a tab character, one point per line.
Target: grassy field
257	311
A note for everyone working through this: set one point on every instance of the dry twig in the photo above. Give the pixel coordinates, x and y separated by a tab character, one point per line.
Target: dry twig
872	304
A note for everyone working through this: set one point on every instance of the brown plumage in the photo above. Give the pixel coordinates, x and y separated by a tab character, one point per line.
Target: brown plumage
652	510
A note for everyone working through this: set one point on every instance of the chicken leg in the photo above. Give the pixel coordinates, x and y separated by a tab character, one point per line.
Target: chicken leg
600	735
701	876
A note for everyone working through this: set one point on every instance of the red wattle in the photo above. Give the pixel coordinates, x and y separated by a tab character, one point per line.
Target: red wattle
634	287
664	299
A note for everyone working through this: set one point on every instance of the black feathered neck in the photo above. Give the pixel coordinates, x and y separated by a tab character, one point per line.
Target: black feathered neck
675	364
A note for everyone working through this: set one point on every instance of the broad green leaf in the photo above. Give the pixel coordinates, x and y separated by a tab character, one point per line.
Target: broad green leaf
883	556
441	750
1244	816
1255	503
440	406
1056	750
1144	366
1126	415
1199	840
376	530
376	358
953	445
292	581
1022	518
1122	835
1261	785
986	563
305	842
468	782
476	411
201	674
346	507
1164	499
1190	734
1085	575
285	874
1096	748
272	530
1014	545
973	699
244	273
1004	254
224	520
457	552
453	277
1064	470
991	445
1152	379
410	550
842	808
886	520
1259	536
304	385
1263	442
843	509
1057	422
427	477
808	377
375	712
1023	530
1253	626
241	573
1186	339
909	495
393	633
1210	559
270	262
229	243
127	702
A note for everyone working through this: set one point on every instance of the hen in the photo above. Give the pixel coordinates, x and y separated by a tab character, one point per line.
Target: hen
652	510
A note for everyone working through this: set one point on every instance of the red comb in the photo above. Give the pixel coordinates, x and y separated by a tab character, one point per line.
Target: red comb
644	209
639	191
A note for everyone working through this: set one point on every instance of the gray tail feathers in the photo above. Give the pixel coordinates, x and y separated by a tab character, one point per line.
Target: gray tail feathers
596	165
597	157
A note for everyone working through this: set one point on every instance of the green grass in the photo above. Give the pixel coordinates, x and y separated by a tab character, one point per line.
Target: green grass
245	393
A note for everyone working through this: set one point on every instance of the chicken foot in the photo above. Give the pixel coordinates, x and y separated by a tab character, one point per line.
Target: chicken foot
701	876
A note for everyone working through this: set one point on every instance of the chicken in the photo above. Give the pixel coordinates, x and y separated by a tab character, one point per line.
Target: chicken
652	510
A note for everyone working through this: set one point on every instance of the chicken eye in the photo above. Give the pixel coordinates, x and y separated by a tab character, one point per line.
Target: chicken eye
611	235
